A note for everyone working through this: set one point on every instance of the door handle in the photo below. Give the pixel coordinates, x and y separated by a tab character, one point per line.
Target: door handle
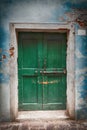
53	72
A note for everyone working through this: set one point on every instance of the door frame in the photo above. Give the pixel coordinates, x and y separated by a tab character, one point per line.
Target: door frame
70	62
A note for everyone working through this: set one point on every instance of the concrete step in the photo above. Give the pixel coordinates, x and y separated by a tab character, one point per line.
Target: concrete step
45	115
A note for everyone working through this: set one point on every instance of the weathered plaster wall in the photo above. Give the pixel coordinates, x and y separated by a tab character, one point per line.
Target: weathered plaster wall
81	76
29	11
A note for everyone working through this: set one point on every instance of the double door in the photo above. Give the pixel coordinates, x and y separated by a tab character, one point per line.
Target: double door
41	71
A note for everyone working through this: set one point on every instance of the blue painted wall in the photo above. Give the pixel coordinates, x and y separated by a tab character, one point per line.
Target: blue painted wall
46	11
81	76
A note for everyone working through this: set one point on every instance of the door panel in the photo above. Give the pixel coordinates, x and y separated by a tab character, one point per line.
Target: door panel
54	89
30	50
30	89
41	69
54	75
54	53
54	96
56	50
30	92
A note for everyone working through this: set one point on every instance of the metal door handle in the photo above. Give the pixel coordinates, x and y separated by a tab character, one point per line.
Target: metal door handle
53	72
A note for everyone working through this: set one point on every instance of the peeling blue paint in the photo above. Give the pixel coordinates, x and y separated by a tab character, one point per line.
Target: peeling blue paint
81	63
82	44
4	55
81	75
4	39
4	78
77	5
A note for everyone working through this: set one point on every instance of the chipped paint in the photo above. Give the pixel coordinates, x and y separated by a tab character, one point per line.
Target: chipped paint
80	55
11	52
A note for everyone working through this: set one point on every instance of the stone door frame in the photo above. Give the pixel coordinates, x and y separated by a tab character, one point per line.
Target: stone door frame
70	63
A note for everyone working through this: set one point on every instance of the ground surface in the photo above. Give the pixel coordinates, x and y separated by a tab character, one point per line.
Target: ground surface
43	120
45	125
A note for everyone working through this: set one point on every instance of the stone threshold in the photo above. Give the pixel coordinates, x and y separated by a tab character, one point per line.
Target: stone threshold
42	115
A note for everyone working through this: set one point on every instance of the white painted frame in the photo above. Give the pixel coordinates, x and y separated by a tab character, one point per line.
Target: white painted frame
43	27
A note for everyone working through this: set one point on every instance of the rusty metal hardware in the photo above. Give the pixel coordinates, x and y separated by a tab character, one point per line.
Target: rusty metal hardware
49	82
44	82
53	72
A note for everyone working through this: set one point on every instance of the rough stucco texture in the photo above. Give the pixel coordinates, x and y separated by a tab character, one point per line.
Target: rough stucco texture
45	11
81	76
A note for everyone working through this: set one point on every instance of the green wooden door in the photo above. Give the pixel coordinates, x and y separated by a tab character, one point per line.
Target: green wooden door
41	71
